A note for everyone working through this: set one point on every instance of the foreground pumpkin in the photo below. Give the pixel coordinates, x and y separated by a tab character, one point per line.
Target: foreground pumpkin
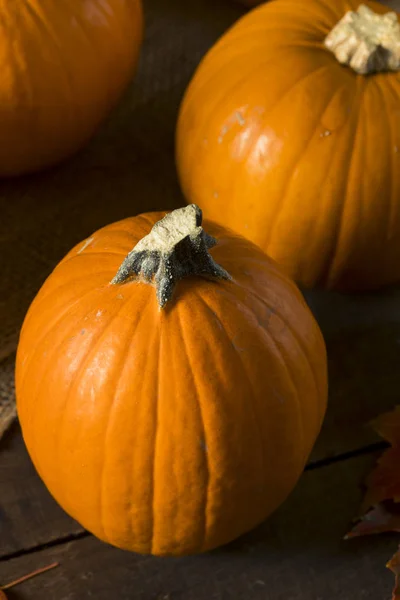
64	64
290	132
169	400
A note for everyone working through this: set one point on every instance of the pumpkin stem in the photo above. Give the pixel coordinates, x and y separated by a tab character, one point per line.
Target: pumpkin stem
366	41
176	247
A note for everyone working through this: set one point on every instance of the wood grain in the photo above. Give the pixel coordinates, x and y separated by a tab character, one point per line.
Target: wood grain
298	554
28	514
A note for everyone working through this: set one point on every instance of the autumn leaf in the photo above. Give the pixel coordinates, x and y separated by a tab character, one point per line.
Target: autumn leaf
394	565
382	500
384	481
384	517
381	505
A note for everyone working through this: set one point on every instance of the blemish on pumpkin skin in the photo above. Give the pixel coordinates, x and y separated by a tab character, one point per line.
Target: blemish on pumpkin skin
120	297
396	149
236	345
204	446
83	331
224	131
240	118
236	117
99	313
325	133
85	245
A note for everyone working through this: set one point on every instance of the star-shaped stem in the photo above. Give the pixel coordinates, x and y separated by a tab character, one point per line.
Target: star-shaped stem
176	247
366	41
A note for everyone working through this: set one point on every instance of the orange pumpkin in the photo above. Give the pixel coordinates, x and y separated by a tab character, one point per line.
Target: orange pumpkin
64	64
169	430
290	133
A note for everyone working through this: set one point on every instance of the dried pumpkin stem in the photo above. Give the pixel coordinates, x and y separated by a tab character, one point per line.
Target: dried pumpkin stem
176	247
366	41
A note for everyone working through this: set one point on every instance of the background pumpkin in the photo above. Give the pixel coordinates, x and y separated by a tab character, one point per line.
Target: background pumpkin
169	431
64	65
294	150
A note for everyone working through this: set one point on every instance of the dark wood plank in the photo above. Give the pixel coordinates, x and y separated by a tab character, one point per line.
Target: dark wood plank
362	335
297	554
28	514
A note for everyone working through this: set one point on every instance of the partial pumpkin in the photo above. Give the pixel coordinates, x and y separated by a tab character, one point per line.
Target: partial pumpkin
64	65
290	133
169	400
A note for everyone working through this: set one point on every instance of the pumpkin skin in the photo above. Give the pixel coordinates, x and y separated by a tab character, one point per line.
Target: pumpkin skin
64	65
295	151
169	431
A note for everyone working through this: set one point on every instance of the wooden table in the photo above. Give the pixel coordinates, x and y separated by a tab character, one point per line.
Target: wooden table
299	553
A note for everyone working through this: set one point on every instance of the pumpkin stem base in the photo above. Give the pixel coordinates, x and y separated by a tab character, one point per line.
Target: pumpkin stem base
366	41
176	247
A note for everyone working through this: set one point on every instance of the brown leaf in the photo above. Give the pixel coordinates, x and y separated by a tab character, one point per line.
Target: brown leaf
381	505
384	481
382	518
394	565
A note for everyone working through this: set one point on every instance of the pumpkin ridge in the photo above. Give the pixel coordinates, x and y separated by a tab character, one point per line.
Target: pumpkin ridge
217	101
192	371
132	461
296	160
291	378
156	429
41	24
124	364
391	203
87	253
53	326
391	82
350	165
56	289
270	110
336	140
325	265
281	361
80	369
295	336
242	81
326	270
253	402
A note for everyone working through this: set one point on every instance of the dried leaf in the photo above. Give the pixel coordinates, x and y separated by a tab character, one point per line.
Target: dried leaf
384	481
394	565
381	505
382	518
